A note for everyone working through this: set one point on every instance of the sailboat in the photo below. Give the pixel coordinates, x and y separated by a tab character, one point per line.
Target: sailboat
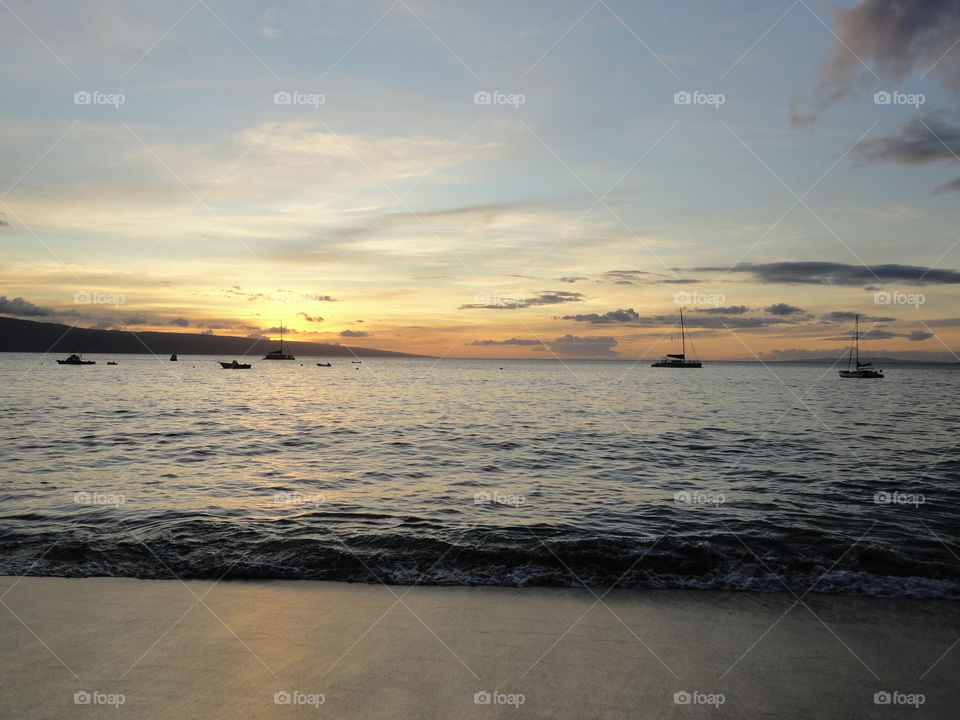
279	354
855	368
678	360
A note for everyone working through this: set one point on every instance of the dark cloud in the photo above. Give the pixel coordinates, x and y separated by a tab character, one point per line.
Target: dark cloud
849	316
594	346
276	331
134	320
924	139
547	297
624	277
631	318
894	37
952	186
614	316
310	318
571	279
23	308
179	322
353	333
783	309
831	273
729	310
511	341
885	334
208	331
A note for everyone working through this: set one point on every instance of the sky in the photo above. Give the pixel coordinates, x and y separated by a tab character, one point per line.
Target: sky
537	179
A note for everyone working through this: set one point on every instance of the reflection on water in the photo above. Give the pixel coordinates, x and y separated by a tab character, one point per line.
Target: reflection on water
456	471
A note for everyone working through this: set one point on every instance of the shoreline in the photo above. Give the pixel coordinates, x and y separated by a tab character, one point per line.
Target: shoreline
200	648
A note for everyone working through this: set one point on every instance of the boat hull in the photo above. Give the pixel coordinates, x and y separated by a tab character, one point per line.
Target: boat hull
861	374
231	366
82	362
681	365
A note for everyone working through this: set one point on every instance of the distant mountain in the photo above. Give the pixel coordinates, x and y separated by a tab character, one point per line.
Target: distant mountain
28	336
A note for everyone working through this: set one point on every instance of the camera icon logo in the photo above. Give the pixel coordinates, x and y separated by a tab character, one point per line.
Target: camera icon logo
482	98
682	98
681	698
681	298
282	698
882	698
482	698
82	697
82	98
881	298
282	97
882	97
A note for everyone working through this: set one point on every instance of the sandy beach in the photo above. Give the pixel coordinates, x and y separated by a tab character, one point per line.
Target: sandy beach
199	649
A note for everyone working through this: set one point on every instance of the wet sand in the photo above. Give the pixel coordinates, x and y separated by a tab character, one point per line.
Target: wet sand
199	649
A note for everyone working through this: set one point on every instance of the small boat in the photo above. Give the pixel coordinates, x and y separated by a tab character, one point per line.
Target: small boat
324	365
234	365
75	359
279	354
112	363
173	358
678	360
356	362
855	368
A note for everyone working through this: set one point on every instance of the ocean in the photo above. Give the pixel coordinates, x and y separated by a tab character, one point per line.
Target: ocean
494	472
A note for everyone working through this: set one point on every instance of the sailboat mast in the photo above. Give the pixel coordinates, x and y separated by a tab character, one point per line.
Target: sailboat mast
683	336
856	339
281	337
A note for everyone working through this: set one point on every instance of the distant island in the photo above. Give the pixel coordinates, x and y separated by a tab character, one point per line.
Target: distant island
29	336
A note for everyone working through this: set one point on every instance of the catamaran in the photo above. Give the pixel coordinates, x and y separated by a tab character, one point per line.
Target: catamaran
679	360
855	368
76	359
279	354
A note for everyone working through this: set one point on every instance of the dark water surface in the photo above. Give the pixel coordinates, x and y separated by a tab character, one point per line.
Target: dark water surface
735	476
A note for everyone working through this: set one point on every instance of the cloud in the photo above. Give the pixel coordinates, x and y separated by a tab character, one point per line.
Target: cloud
179	322
134	320
895	37
831	273
547	297
310	318
783	309
926	138
952	186
594	346
23	308
510	341
624	277
571	280
849	316
353	333
712	322
884	334
729	310
208	331
614	316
